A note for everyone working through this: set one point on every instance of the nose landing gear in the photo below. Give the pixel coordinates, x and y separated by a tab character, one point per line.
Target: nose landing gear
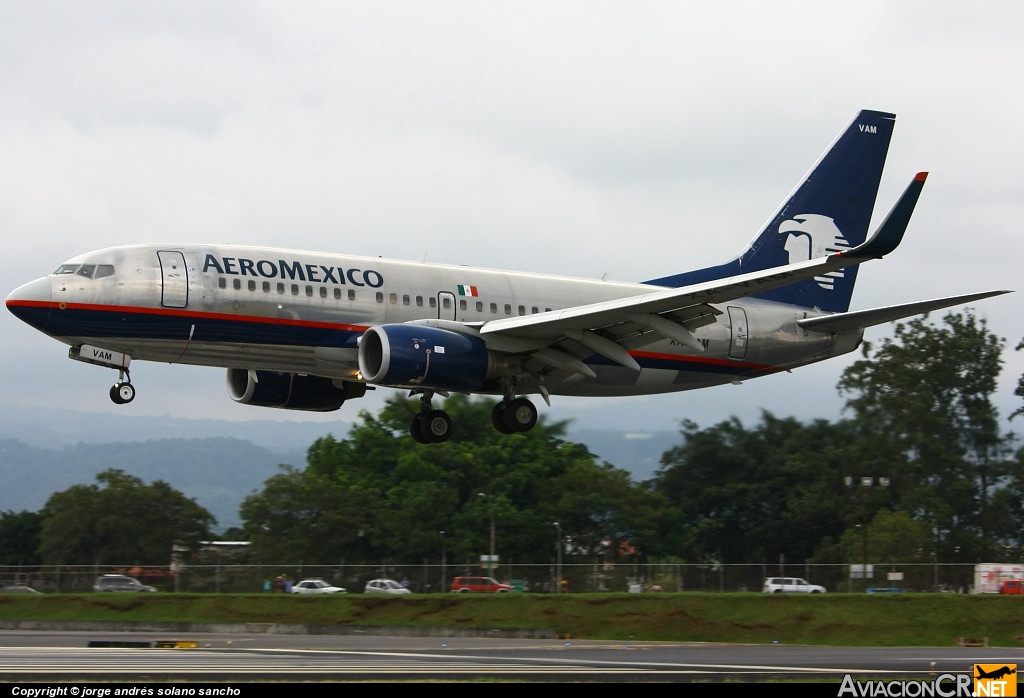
122	392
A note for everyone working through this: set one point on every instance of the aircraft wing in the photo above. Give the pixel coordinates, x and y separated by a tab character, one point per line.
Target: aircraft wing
859	319
674	312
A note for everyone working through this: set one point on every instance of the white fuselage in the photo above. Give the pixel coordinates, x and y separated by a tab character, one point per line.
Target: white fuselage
284	310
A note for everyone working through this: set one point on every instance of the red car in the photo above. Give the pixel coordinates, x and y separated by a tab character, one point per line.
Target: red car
1011	586
486	585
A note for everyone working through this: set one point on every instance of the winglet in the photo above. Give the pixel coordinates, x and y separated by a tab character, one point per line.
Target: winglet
889	235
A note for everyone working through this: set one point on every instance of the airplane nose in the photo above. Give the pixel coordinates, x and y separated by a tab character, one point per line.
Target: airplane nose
37	291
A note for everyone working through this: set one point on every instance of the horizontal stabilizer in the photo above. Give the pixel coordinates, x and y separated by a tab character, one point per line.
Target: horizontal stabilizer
859	319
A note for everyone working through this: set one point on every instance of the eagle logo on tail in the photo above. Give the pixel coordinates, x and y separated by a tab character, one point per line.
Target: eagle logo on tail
812	236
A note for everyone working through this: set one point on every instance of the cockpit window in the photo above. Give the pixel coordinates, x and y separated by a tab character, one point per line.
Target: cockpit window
89	271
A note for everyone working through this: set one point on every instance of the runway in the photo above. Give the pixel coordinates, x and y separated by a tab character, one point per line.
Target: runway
26	655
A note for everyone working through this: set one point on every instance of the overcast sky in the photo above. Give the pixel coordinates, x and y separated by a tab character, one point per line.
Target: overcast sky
637	139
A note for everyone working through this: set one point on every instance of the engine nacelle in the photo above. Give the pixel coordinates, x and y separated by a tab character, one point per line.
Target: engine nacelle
290	391
418	356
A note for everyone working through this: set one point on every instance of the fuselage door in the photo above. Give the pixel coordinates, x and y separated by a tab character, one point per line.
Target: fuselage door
445	305
738	330
175	279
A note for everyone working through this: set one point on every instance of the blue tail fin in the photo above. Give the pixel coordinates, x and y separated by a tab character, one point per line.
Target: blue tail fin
828	211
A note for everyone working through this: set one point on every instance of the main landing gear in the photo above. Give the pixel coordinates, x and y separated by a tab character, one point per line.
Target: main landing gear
430	426
122	392
514	416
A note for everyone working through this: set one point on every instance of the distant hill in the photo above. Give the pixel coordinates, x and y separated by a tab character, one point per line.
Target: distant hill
53	427
219	472
637	452
219	462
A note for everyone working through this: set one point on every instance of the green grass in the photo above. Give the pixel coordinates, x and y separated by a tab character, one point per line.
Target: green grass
832	619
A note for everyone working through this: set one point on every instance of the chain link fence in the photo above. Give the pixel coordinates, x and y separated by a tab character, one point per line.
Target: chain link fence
577	577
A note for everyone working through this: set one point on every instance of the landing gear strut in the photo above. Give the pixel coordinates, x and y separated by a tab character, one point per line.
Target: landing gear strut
122	392
514	416
430	426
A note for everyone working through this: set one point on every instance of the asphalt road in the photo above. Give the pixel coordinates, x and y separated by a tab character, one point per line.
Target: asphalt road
27	655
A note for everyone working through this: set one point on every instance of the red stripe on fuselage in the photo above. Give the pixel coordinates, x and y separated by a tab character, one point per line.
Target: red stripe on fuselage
702	360
190	314
173	312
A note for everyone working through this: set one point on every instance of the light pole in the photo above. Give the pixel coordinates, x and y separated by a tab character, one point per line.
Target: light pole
444	562
490	510
866	484
558	568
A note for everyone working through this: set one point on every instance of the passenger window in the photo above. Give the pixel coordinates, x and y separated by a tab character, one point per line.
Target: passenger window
337	294
266	287
351	294
87	270
380	297
462	305
419	300
393	297
479	307
222	282
104	270
508	309
295	289
446	302
323	292
547	310
433	302
67	269
309	291
522	310
533	310
494	307
405	299
236	284
280	288
252	285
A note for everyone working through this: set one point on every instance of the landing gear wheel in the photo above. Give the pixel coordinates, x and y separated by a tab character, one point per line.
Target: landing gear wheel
436	426
416	429
122	393
520	415
498	418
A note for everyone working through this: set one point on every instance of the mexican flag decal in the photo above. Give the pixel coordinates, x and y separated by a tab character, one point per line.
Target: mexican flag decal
467	290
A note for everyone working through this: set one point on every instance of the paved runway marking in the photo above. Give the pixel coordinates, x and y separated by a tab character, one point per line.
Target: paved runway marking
592	662
407	661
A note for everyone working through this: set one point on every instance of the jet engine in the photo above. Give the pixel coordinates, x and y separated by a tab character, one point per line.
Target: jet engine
290	391
418	356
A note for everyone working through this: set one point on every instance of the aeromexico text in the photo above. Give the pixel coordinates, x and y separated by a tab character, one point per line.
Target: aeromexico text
265	268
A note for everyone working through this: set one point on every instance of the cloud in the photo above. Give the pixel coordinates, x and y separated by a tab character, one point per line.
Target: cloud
575	138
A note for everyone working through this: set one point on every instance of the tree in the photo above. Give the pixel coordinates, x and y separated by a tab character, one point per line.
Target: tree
377	494
19	538
751	494
923	414
120	521
893	537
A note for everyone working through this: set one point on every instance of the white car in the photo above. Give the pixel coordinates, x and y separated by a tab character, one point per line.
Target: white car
316	586
790	585
385	586
120	582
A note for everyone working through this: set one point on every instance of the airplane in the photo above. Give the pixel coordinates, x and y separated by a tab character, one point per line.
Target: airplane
309	331
995	673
